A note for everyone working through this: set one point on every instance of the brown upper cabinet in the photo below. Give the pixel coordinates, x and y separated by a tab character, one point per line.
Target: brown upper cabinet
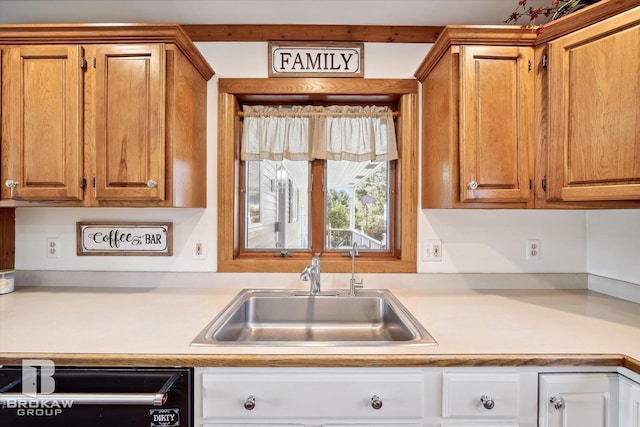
512	119
477	127
103	116
594	112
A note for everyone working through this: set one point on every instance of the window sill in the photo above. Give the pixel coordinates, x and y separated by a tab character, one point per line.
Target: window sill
331	265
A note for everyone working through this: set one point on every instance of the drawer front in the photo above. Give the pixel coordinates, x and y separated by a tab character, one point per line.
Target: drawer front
254	425
312	396
463	393
373	425
475	424
323	425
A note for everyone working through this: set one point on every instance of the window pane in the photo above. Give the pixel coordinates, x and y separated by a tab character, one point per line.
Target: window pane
357	205
276	205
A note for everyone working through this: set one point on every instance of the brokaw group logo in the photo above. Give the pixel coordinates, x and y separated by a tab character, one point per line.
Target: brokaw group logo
37	398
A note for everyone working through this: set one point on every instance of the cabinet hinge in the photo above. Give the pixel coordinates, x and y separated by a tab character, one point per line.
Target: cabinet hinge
93	182
94	62
529	67
530	184
545	62
83	182
544	183
83	60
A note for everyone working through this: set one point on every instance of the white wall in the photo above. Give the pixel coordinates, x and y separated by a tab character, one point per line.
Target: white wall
487	241
613	244
494	241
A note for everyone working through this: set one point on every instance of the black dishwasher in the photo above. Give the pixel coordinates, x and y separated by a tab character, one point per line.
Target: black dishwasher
97	397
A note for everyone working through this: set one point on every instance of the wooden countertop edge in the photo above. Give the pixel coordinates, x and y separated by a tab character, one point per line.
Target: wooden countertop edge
322	360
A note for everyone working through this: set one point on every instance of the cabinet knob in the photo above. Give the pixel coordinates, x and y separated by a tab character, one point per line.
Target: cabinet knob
472	185
557	402
487	402
152	183
10	183
376	403
250	403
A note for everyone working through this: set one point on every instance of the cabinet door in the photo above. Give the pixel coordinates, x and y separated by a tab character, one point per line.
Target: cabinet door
128	122
42	123
629	403
578	400
634	406
496	113
594	113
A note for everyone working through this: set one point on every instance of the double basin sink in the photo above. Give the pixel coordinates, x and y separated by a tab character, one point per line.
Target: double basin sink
285	317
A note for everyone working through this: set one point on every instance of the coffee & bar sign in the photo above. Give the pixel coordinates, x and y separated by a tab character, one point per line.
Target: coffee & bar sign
124	238
291	59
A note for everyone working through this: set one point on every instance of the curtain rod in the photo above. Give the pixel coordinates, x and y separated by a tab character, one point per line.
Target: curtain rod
393	113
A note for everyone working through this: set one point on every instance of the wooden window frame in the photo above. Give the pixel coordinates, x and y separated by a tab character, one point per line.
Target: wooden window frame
401	94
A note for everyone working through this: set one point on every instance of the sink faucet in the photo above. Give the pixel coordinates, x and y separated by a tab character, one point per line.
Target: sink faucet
353	284
311	274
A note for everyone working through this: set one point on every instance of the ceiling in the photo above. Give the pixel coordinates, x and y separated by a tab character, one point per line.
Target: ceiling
320	12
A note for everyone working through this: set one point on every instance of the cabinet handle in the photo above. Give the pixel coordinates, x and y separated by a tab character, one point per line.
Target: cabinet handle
152	183
376	403
472	185
487	402
557	402
150	399
250	403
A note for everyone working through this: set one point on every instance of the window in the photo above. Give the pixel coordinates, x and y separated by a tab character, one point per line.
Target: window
356	207
284	217
276	206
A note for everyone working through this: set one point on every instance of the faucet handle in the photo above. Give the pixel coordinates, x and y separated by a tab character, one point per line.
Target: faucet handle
355	285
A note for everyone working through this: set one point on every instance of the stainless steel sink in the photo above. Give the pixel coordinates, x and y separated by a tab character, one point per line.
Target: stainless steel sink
283	317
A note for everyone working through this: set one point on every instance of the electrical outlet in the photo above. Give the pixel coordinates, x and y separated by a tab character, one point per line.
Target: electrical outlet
432	250
53	247
533	250
199	249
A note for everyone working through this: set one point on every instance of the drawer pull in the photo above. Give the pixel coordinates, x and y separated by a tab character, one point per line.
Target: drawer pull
557	402
250	403
487	402
376	403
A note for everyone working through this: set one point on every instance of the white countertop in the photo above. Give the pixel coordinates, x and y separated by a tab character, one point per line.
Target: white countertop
163	321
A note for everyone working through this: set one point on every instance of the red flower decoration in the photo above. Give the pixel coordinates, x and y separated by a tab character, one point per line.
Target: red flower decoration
555	10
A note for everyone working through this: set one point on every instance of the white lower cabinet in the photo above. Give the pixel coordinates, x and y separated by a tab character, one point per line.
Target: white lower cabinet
480	396
482	423
309	397
254	425
579	400
414	397
488	399
280	424
629	403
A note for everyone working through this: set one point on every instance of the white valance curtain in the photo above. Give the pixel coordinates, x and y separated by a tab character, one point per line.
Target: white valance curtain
338	132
